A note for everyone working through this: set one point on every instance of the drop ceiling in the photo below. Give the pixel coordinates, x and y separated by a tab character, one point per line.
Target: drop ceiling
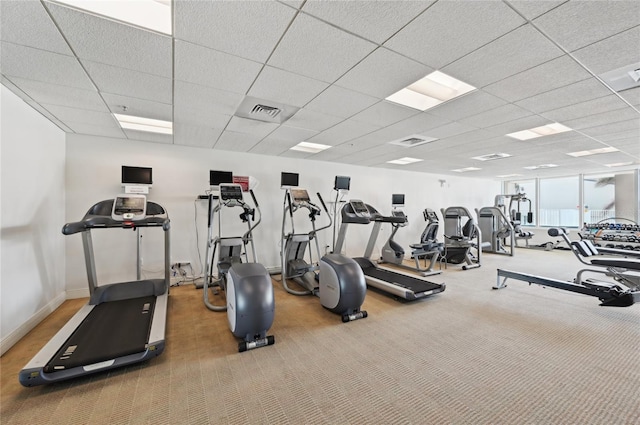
334	62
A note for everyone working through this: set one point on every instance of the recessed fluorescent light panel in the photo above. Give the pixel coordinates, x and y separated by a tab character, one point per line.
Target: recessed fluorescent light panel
309	147
592	152
152	14
491	156
131	122
404	161
545	130
619	164
464	170
430	91
537	167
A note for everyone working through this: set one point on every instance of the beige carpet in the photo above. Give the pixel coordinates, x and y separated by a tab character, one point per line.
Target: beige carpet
522	355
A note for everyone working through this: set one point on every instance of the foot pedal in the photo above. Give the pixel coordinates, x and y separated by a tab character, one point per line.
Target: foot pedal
250	345
355	316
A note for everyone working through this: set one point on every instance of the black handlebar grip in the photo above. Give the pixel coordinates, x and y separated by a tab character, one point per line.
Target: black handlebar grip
290	206
322	202
209	217
255	201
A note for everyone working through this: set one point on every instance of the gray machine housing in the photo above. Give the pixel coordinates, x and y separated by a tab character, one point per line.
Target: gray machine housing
342	284
250	301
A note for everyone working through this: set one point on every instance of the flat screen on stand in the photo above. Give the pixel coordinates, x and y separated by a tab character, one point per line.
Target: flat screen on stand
136	175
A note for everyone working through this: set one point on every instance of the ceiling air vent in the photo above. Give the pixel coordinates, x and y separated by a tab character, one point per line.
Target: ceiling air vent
413	140
265	110
491	156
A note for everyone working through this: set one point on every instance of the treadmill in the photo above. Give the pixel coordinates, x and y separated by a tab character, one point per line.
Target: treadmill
401	285
123	323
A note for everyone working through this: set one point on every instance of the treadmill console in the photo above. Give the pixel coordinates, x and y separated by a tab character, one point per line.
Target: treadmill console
300	195
230	192
398	213
359	208
129	207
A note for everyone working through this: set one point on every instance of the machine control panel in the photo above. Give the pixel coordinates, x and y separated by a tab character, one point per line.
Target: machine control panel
230	192
300	195
129	207
359	208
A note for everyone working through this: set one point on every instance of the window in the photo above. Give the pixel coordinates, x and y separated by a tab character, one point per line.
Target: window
559	202
599	197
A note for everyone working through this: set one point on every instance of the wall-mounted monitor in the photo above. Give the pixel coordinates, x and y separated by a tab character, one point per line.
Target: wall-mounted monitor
136	175
288	179
217	177
397	199
342	183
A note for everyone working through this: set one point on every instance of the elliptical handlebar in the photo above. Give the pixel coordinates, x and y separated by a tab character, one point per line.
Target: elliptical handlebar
247	235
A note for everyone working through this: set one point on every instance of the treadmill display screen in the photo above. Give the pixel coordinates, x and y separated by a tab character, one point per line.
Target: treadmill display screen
230	191
129	205
397	199
300	195
359	208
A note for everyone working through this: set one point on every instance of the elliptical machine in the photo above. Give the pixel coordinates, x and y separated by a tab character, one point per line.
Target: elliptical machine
247	285
335	278
460	239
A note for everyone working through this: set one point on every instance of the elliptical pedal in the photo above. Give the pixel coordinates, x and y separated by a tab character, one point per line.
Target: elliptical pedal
354	316
260	342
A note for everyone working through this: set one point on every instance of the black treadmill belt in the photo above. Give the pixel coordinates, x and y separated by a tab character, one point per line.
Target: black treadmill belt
112	329
414	284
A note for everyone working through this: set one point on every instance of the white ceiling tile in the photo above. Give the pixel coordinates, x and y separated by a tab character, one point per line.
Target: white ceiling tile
449	130
149	137
243	28
383	73
603	118
27	23
106	41
208	67
252	127
48	115
61	95
205	99
504	113
286	87
449	30
340	102
199	117
130	83
419	123
296	154
138	107
311	120
195	135
531	9
375	21
39	65
590	107
64	113
564	96
318	50
576	24
385	113
614	130
336	152
611	158
632	96
96	130
470	104
612	53
238	142
343	132
270	146
291	135
548	76
518	124
521	49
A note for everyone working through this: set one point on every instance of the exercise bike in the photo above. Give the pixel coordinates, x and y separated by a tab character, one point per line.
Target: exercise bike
247	285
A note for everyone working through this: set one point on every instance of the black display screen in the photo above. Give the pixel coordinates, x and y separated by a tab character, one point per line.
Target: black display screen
342	183
397	199
289	179
217	177
126	205
136	175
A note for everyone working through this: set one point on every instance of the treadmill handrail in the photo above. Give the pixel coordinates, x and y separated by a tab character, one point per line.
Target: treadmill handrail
102	222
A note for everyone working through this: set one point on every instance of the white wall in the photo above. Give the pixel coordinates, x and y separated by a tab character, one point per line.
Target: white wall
32	213
181	173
